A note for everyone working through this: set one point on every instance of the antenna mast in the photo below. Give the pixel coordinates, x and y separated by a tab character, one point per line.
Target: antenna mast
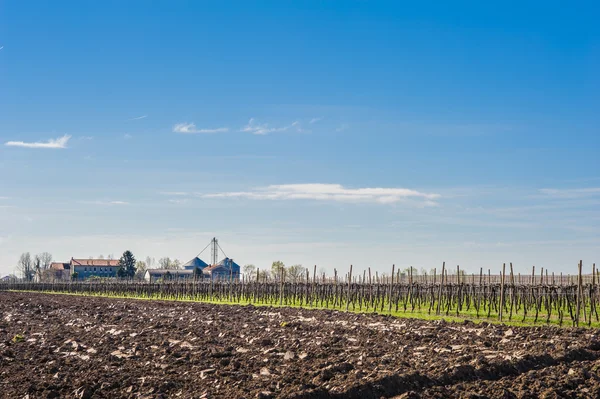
215	250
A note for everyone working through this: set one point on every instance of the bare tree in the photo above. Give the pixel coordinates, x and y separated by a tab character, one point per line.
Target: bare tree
164	263
167	263
277	269
46	260
249	270
150	262
141	268
26	267
294	273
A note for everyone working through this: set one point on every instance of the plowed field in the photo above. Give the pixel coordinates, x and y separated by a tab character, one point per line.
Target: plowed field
58	346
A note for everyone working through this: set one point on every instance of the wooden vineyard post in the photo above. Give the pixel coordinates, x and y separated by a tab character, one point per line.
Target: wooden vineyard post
479	291
512	291
459	288
502	292
258	291
437	311
593	295
349	287
281	286
578	294
314	286
370	291
335	282
391	289
230	283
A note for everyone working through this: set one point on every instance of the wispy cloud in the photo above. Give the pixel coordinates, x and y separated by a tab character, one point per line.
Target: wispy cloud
178	201
137	118
1	47
60	142
106	202
262	129
174	193
190	128
127	136
331	192
315	120
570	192
341	128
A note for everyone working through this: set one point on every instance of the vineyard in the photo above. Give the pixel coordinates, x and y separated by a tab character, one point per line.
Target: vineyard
506	297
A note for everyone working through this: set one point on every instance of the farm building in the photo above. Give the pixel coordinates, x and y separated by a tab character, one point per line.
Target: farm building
153	275
196	268
224	270
172	274
85	268
60	271
195	263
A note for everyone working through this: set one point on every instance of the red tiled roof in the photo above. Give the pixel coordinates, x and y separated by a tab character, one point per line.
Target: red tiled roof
59	266
95	262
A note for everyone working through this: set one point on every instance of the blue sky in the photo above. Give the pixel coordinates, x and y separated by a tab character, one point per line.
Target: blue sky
313	132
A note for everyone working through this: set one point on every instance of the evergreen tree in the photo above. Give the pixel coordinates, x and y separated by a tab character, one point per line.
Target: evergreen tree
127	263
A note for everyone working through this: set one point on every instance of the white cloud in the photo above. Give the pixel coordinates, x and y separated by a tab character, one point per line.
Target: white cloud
262	129
174	193
341	128
1	47
571	192
178	201
137	118
331	192
190	128
315	120
60	142
106	202
127	136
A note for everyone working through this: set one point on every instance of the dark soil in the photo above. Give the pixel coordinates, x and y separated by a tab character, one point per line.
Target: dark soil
57	346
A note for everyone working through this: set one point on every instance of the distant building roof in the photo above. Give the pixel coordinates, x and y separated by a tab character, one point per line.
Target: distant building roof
195	263
95	262
170	271
218	266
60	266
228	262
224	264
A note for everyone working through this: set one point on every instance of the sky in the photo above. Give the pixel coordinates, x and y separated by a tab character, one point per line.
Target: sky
323	133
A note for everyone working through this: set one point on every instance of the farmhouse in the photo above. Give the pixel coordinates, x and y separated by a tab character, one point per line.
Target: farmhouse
85	268
60	271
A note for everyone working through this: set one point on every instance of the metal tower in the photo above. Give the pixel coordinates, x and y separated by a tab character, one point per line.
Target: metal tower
214	250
